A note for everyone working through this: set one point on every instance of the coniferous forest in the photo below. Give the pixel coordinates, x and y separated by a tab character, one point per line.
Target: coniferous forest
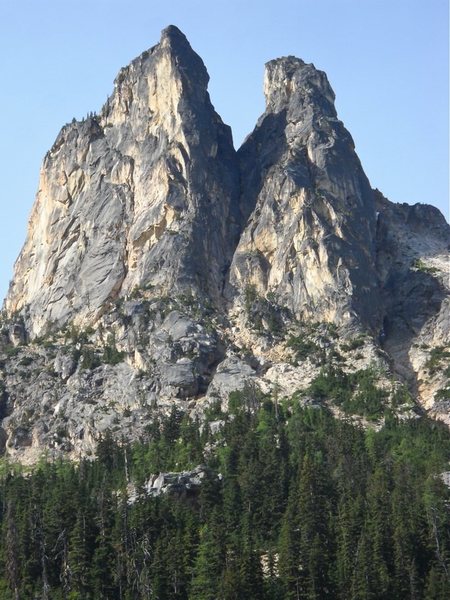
296	505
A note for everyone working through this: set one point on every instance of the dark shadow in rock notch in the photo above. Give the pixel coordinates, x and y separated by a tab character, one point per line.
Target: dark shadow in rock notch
269	135
260	151
411	298
5	408
206	366
411	293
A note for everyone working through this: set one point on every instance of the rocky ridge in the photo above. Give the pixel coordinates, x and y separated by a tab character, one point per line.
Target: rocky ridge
162	268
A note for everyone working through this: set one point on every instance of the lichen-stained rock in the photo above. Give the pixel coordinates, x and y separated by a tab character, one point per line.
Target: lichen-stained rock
145	193
310	237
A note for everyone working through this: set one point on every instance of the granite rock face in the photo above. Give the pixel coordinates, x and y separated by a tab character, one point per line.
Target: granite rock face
310	237
413	262
184	484
145	193
164	269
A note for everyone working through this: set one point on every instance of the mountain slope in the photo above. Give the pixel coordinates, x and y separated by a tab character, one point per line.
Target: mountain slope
162	268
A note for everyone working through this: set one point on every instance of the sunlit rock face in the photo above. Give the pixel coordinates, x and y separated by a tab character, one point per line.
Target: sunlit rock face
145	193
311	230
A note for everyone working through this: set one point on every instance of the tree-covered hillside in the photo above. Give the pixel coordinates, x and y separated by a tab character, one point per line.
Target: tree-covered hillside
296	505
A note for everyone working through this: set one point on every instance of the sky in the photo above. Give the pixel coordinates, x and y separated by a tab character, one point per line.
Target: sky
387	61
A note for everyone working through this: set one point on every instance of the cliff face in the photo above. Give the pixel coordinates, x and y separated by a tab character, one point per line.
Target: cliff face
310	238
164	268
145	193
413	244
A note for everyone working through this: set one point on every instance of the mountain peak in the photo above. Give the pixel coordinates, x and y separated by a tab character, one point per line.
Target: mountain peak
289	80
138	170
187	62
177	43
171	34
171	59
163	268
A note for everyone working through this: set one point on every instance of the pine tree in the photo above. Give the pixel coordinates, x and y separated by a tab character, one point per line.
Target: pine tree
13	565
407	532
251	577
348	525
378	526
436	501
81	547
315	535
362	587
290	567
209	562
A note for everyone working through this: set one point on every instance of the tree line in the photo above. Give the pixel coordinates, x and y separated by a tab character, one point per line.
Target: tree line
297	505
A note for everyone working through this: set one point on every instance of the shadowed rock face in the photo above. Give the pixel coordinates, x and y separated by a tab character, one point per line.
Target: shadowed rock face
146	193
310	237
413	262
162	268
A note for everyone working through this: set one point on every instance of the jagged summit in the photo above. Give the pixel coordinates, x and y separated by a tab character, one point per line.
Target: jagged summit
311	232
187	60
165	75
174	39
162	267
172	33
289	78
144	194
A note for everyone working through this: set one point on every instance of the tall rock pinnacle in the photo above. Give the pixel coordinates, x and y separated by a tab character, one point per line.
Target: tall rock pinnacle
310	235
144	194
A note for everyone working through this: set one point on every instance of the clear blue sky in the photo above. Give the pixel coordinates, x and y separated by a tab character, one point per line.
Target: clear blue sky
387	61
